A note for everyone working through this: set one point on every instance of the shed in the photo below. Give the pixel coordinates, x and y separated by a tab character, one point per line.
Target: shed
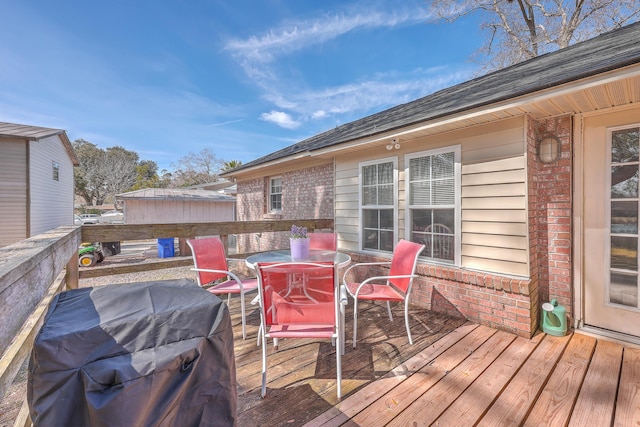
176	205
36	181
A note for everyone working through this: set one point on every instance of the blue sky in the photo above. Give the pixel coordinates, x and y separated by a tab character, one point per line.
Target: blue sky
243	77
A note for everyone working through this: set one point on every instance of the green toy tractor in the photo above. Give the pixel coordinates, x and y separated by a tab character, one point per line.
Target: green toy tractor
89	254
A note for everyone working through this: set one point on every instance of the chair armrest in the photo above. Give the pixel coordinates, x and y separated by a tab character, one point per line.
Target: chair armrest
250	269
228	273
209	270
377	278
362	264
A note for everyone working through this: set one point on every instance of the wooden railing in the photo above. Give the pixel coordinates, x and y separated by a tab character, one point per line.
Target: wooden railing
33	271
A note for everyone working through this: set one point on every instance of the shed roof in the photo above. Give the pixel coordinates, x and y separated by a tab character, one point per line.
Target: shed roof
36	133
176	194
610	51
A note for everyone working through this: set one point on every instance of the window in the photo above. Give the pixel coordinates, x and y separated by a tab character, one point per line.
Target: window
56	171
378	212
275	194
624	202
431	183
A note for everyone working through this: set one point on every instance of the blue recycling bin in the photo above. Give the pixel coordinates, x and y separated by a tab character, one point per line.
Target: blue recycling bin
165	248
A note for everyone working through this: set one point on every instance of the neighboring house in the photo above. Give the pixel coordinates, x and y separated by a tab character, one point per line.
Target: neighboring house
176	205
36	181
522	183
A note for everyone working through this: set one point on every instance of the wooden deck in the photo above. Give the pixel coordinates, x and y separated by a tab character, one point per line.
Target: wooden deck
456	373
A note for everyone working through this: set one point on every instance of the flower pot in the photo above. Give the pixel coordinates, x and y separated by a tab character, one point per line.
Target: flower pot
299	248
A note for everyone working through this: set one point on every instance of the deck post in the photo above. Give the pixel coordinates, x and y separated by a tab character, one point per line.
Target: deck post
72	276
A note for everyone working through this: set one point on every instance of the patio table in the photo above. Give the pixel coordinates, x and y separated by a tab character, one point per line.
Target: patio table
315	255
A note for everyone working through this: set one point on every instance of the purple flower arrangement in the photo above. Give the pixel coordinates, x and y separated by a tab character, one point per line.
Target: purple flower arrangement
298	232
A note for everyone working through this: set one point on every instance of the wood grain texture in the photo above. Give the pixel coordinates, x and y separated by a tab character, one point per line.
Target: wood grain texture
596	402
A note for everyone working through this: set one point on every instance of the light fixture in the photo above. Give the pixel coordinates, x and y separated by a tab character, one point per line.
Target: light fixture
393	144
548	148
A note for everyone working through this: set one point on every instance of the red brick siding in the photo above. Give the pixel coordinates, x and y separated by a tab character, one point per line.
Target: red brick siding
489	299
306	194
550	209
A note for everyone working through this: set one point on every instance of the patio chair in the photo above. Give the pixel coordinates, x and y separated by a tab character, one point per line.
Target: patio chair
212	268
396	286
325	241
287	311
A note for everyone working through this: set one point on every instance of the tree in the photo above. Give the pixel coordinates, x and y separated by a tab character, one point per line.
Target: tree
89	181
147	176
517	30
194	169
120	171
104	173
231	164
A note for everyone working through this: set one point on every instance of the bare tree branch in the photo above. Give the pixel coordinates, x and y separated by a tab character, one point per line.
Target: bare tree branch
517	30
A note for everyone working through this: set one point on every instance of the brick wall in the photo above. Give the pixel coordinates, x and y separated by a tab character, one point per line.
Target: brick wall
550	214
306	194
490	299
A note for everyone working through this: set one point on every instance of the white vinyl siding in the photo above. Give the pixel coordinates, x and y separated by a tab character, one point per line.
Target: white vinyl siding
493	193
51	201
494	216
13	189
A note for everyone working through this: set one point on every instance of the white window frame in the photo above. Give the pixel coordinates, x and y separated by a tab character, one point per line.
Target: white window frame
270	201
456	205
394	161
608	235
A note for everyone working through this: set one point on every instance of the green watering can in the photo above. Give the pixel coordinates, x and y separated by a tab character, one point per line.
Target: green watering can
554	319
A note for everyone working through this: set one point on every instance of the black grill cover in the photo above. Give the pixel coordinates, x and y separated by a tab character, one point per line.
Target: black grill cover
140	354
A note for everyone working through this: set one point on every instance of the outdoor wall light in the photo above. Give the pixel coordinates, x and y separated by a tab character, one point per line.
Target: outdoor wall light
549	148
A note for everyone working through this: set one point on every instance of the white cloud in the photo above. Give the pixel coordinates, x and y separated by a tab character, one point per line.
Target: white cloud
320	114
379	92
294	36
260	57
280	118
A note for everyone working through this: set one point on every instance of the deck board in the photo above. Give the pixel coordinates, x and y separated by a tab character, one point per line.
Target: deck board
426	409
301	379
555	403
596	402
628	404
356	403
391	404
514	403
473	403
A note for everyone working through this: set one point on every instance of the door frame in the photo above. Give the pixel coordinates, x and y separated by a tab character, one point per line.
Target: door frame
579	250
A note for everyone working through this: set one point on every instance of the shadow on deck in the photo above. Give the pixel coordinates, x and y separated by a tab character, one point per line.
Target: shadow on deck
456	373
